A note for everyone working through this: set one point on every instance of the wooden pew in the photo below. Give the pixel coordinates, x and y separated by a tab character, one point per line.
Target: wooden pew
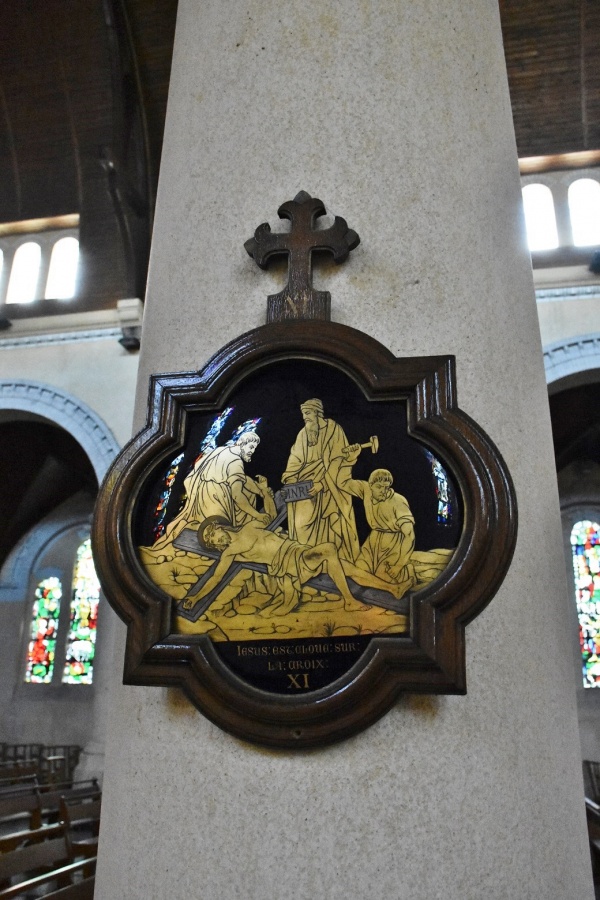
22	803
37	803
6	787
50	796
592	811
26	836
82	890
45	859
81	819
79	890
17	773
41	854
54	763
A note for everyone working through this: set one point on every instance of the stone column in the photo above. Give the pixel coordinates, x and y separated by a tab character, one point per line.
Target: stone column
397	115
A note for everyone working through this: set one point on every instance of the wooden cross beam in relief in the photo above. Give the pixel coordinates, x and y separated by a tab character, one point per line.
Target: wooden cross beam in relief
298	299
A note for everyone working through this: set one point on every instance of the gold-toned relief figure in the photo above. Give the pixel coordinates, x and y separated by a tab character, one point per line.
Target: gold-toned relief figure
318	456
243	562
389	551
218	485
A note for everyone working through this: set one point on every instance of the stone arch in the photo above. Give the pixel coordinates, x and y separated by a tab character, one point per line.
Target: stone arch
15	573
24	398
67	411
577	356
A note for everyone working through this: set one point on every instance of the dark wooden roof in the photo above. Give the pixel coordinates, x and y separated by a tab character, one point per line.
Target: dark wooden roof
552	50
83	92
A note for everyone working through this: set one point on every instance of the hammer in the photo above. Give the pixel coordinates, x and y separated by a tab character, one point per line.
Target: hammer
373	443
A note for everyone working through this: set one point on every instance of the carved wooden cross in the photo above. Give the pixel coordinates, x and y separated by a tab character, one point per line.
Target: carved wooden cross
298	299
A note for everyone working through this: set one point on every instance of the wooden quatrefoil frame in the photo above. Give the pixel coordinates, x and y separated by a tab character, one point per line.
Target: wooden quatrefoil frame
430	658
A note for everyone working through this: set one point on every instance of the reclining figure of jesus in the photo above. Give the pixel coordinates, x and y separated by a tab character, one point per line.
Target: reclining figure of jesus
284	558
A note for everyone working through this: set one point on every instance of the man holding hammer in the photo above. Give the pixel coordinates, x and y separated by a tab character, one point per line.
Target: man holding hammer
326	515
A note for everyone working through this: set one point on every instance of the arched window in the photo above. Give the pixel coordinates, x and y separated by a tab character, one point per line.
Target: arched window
585	548
41	258
41	651
24	274
584	208
540	218
81	639
62	275
62	629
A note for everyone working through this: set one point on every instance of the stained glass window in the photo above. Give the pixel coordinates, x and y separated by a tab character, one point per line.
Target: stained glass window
247	427
44	626
444	507
161	507
81	640
585	547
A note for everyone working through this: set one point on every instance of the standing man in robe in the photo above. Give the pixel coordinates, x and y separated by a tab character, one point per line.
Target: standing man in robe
326	516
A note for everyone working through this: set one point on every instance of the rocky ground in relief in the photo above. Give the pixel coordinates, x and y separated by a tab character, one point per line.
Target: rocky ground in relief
247	608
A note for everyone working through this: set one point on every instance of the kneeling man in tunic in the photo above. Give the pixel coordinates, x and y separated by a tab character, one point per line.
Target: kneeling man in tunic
389	551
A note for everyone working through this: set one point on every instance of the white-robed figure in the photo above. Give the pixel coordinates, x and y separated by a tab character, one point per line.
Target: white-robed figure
218	486
317	456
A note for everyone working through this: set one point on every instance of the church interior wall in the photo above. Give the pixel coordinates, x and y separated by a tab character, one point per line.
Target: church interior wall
568	318
100	375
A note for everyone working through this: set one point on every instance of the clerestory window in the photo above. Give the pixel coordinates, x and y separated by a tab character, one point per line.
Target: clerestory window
39	260
584	209
62	274
540	217
24	273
